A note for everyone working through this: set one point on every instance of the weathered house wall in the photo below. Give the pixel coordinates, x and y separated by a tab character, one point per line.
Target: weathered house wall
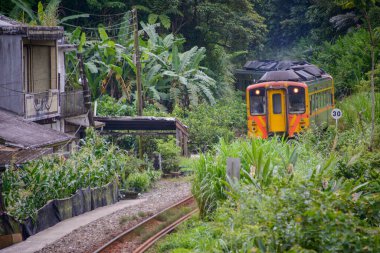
11	85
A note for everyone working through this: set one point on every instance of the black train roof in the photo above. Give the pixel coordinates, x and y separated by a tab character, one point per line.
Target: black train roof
285	70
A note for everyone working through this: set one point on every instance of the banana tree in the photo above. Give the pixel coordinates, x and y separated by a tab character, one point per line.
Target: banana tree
189	82
182	81
46	16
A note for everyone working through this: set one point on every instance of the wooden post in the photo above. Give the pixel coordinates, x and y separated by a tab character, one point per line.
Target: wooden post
86	91
2	206
233	170
138	64
185	149
138	73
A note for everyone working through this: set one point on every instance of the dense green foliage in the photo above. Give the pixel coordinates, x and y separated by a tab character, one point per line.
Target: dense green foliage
207	124
170	154
108	106
317	194
27	189
338	58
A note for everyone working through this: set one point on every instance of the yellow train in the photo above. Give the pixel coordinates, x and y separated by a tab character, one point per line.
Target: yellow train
288	98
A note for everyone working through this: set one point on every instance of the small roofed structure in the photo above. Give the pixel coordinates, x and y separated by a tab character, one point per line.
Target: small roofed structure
17	132
146	125
17	156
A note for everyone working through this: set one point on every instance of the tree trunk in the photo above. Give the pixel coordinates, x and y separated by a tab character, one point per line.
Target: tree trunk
373	102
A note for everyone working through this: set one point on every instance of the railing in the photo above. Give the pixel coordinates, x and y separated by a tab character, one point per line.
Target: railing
72	103
42	105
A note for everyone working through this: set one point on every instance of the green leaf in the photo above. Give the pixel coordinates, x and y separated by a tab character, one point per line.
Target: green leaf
75	35
359	187
142	8
103	34
25	7
116	69
74	17
130	62
82	42
40	12
152	18
91	67
165	21
175	58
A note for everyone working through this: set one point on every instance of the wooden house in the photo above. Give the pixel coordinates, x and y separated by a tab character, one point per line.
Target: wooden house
33	77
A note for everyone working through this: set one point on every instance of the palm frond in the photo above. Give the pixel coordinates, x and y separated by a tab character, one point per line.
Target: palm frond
25	7
186	58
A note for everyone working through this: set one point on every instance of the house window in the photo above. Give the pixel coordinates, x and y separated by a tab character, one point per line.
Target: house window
39	66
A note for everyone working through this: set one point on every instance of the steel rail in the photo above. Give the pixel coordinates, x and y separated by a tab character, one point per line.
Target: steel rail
134	228
150	242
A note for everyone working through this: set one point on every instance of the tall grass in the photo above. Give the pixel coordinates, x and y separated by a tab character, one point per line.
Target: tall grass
357	110
262	162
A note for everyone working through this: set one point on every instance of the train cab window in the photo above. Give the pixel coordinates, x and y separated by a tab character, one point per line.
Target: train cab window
277	105
296	96
257	101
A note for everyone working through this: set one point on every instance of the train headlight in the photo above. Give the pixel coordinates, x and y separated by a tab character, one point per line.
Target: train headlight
296	90
257	92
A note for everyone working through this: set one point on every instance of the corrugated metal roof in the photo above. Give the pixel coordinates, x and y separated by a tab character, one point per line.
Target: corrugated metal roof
141	123
20	156
17	132
82	120
283	70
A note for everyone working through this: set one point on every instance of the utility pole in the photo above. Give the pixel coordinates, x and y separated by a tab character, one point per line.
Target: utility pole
138	74
137	61
86	91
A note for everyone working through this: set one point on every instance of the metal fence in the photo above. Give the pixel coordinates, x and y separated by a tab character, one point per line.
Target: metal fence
72	103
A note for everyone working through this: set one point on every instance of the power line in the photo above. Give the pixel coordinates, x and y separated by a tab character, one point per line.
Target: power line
112	27
97	15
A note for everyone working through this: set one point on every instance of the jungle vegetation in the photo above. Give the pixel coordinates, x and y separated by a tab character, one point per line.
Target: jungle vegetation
319	193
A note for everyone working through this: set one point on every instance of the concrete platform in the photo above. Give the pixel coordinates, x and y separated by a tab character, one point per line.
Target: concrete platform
50	235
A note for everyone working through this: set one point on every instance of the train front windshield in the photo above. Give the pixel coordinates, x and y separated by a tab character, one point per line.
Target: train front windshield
296	97
257	101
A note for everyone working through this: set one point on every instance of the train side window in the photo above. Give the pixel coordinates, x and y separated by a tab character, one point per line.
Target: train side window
311	104
323	100
316	101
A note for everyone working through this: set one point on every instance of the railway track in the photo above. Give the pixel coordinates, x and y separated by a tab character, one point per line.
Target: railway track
142	236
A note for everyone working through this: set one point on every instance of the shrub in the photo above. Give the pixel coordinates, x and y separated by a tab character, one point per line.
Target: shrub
108	106
170	154
346	60
279	207
208	124
97	163
138	182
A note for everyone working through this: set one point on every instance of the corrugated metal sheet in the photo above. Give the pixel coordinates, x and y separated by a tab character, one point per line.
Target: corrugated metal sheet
282	70
141	123
20	156
17	132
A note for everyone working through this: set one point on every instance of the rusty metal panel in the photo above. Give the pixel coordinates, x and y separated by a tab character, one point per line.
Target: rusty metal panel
11	85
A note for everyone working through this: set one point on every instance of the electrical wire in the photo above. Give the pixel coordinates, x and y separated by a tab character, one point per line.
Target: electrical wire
111	27
97	15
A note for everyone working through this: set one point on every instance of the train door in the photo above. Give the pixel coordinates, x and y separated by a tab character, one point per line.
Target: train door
276	111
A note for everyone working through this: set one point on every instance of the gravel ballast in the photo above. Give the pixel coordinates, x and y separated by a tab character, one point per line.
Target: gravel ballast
90	237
